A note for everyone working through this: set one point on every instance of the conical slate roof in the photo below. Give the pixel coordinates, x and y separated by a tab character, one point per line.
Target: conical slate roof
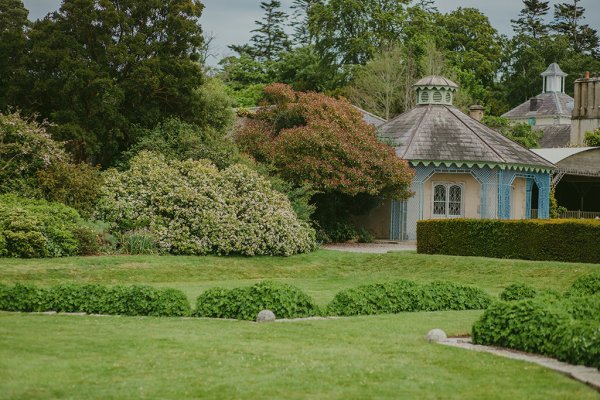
442	133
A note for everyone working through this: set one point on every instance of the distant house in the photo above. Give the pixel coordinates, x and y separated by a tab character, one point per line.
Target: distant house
462	167
549	111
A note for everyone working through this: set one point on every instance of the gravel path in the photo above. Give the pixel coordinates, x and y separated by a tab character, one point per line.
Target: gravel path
377	247
588	375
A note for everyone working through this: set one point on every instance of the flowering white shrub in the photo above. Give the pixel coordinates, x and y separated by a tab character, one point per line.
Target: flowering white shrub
193	208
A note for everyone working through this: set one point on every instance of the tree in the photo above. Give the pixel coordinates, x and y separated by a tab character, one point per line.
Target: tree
521	133
96	68
300	22
315	139
270	38
592	138
384	85
567	21
13	43
472	43
531	19
350	32
305	71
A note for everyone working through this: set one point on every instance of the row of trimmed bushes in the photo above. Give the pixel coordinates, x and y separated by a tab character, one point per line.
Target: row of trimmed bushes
552	240
242	303
565	327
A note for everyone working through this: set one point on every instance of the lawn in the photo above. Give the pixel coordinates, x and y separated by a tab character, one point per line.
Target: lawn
62	356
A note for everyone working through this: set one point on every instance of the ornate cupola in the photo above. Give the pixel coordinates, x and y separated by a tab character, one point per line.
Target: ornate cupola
554	79
435	89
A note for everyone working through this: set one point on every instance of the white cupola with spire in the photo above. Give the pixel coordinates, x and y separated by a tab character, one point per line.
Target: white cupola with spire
435	89
554	79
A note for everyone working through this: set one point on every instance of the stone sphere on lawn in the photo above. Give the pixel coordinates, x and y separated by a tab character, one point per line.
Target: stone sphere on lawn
436	335
265	316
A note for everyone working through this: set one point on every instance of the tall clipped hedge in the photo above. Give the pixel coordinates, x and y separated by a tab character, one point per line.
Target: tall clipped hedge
552	240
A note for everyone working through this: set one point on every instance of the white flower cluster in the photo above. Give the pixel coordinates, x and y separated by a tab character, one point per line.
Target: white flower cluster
191	207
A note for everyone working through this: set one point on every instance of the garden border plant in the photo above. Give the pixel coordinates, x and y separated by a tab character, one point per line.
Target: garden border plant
555	240
567	327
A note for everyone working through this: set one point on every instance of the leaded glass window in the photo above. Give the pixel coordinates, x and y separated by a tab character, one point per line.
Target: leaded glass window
439	200
454	200
447	200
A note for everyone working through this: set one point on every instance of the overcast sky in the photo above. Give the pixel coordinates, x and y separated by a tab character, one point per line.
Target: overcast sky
230	21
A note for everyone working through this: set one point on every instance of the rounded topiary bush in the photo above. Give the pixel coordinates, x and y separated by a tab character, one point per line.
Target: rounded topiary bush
585	308
25	298
527	325
585	285
518	291
96	299
438	296
402	296
379	298
245	303
190	207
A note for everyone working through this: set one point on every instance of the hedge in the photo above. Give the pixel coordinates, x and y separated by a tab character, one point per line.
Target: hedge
552	240
555	329
245	303
95	299
403	296
518	291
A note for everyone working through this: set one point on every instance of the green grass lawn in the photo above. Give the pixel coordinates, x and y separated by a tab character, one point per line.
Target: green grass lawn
375	357
320	274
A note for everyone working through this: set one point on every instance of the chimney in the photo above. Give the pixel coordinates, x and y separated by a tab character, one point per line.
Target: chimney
586	110
476	112
534	104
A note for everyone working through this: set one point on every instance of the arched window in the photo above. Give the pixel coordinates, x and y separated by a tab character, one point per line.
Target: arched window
439	200
454	201
437	97
424	97
447	200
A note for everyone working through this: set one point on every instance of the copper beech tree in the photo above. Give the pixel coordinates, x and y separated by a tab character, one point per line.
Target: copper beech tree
317	140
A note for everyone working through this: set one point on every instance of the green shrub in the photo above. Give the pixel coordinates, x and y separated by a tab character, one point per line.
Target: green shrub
518	291
564	330
438	296
585	285
25	298
402	296
37	228
96	299
585	308
245	303
191	207
528	325
580	344
556	240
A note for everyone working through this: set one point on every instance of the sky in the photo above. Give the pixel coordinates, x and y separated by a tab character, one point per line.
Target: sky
230	21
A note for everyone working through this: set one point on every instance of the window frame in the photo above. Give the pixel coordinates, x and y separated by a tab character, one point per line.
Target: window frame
447	185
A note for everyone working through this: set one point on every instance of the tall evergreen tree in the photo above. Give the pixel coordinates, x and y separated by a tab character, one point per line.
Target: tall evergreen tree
13	43
300	20
98	68
531	19
270	38
568	19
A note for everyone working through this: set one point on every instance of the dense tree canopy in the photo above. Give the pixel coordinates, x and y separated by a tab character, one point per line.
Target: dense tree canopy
315	139
95	68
